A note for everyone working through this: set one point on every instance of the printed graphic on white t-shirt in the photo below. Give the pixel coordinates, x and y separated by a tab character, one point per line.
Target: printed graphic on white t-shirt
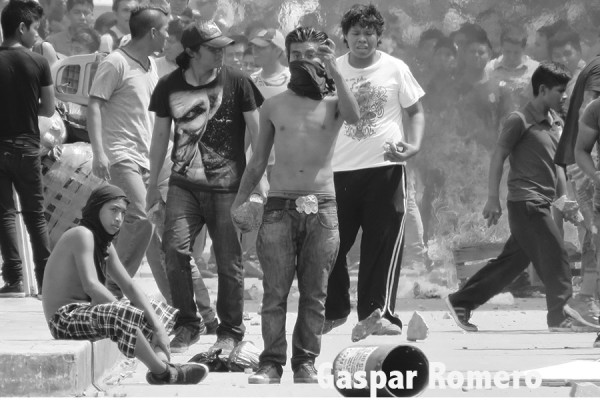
371	100
382	91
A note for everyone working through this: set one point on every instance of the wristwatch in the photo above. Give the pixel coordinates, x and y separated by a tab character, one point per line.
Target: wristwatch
256	198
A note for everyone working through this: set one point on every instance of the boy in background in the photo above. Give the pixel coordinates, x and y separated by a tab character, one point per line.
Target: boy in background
529	139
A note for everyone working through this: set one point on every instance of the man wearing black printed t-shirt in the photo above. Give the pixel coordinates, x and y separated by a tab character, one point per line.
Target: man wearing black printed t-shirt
211	106
26	92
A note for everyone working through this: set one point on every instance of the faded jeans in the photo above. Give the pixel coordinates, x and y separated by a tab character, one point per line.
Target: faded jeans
291	243
137	231
23	170
187	212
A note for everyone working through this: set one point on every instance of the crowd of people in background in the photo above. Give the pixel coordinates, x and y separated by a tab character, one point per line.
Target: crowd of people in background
181	101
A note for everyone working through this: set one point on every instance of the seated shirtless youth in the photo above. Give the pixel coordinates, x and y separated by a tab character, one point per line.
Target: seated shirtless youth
78	306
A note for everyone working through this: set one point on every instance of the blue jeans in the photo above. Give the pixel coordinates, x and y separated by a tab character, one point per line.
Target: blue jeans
292	243
187	212
23	170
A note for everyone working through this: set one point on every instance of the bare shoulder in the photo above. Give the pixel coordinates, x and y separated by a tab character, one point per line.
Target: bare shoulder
276	99
78	237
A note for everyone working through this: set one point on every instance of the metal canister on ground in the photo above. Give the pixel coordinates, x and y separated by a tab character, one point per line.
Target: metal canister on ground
386	370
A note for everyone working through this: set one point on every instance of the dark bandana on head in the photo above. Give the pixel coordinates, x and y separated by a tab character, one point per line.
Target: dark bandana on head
309	79
90	218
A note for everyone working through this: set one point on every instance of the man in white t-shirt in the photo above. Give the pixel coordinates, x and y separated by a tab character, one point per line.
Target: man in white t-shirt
370	176
120	128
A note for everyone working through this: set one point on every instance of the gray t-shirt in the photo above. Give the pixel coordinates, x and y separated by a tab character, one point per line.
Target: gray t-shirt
126	122
532	144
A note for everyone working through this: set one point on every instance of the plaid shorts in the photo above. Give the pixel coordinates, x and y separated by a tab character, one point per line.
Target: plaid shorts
117	321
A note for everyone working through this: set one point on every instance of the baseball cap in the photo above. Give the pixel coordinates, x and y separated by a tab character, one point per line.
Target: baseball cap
206	33
266	37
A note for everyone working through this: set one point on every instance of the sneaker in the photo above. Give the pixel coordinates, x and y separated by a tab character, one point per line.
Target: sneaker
388	329
331	324
211	326
189	373
597	342
461	316
306	373
367	326
185	336
581	309
565	326
225	343
267	373
12	290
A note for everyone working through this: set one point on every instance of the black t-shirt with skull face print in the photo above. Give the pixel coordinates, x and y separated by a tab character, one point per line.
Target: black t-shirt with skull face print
208	149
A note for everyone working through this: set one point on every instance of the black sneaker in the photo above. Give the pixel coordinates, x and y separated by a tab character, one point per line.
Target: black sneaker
305	373
185	336
12	290
189	373
597	342
267	373
461	316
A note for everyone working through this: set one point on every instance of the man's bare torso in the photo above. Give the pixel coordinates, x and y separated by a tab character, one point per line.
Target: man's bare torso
305	134
62	284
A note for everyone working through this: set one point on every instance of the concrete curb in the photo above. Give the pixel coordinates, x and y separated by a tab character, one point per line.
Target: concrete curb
54	368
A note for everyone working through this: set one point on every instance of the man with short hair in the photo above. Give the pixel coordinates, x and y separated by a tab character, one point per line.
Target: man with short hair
211	106
539	52
112	40
528	139
234	53
26	93
565	48
298	234
166	64
370	176
511	72
120	129
80	14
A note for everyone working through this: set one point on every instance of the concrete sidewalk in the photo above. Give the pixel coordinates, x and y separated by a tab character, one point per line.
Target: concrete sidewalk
512	337
32	363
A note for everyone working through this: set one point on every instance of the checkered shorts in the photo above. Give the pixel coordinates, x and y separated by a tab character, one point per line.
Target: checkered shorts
117	321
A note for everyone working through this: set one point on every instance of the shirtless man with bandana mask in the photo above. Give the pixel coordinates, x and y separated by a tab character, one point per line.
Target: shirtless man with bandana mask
299	230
